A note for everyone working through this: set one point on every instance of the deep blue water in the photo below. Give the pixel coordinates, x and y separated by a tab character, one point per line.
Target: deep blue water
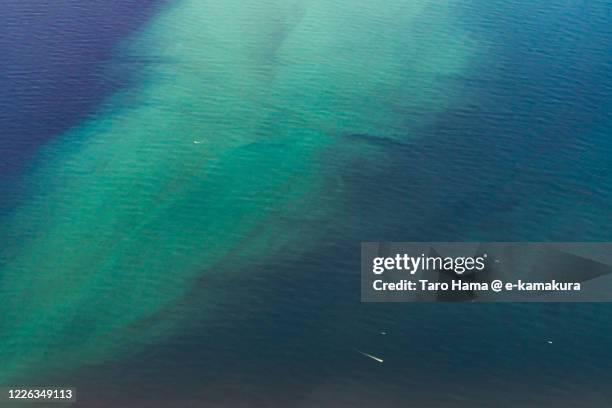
525	157
54	71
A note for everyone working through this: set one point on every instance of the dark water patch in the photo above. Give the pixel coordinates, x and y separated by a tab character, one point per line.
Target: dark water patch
54	67
283	349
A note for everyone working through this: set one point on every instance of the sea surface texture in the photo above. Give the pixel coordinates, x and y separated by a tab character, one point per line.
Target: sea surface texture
184	186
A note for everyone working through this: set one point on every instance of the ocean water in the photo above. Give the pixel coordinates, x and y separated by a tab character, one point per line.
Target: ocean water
188	234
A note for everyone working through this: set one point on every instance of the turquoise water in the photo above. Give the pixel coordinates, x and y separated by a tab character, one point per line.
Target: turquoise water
221	147
195	235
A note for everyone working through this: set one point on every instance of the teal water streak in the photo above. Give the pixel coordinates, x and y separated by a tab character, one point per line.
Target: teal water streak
224	146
